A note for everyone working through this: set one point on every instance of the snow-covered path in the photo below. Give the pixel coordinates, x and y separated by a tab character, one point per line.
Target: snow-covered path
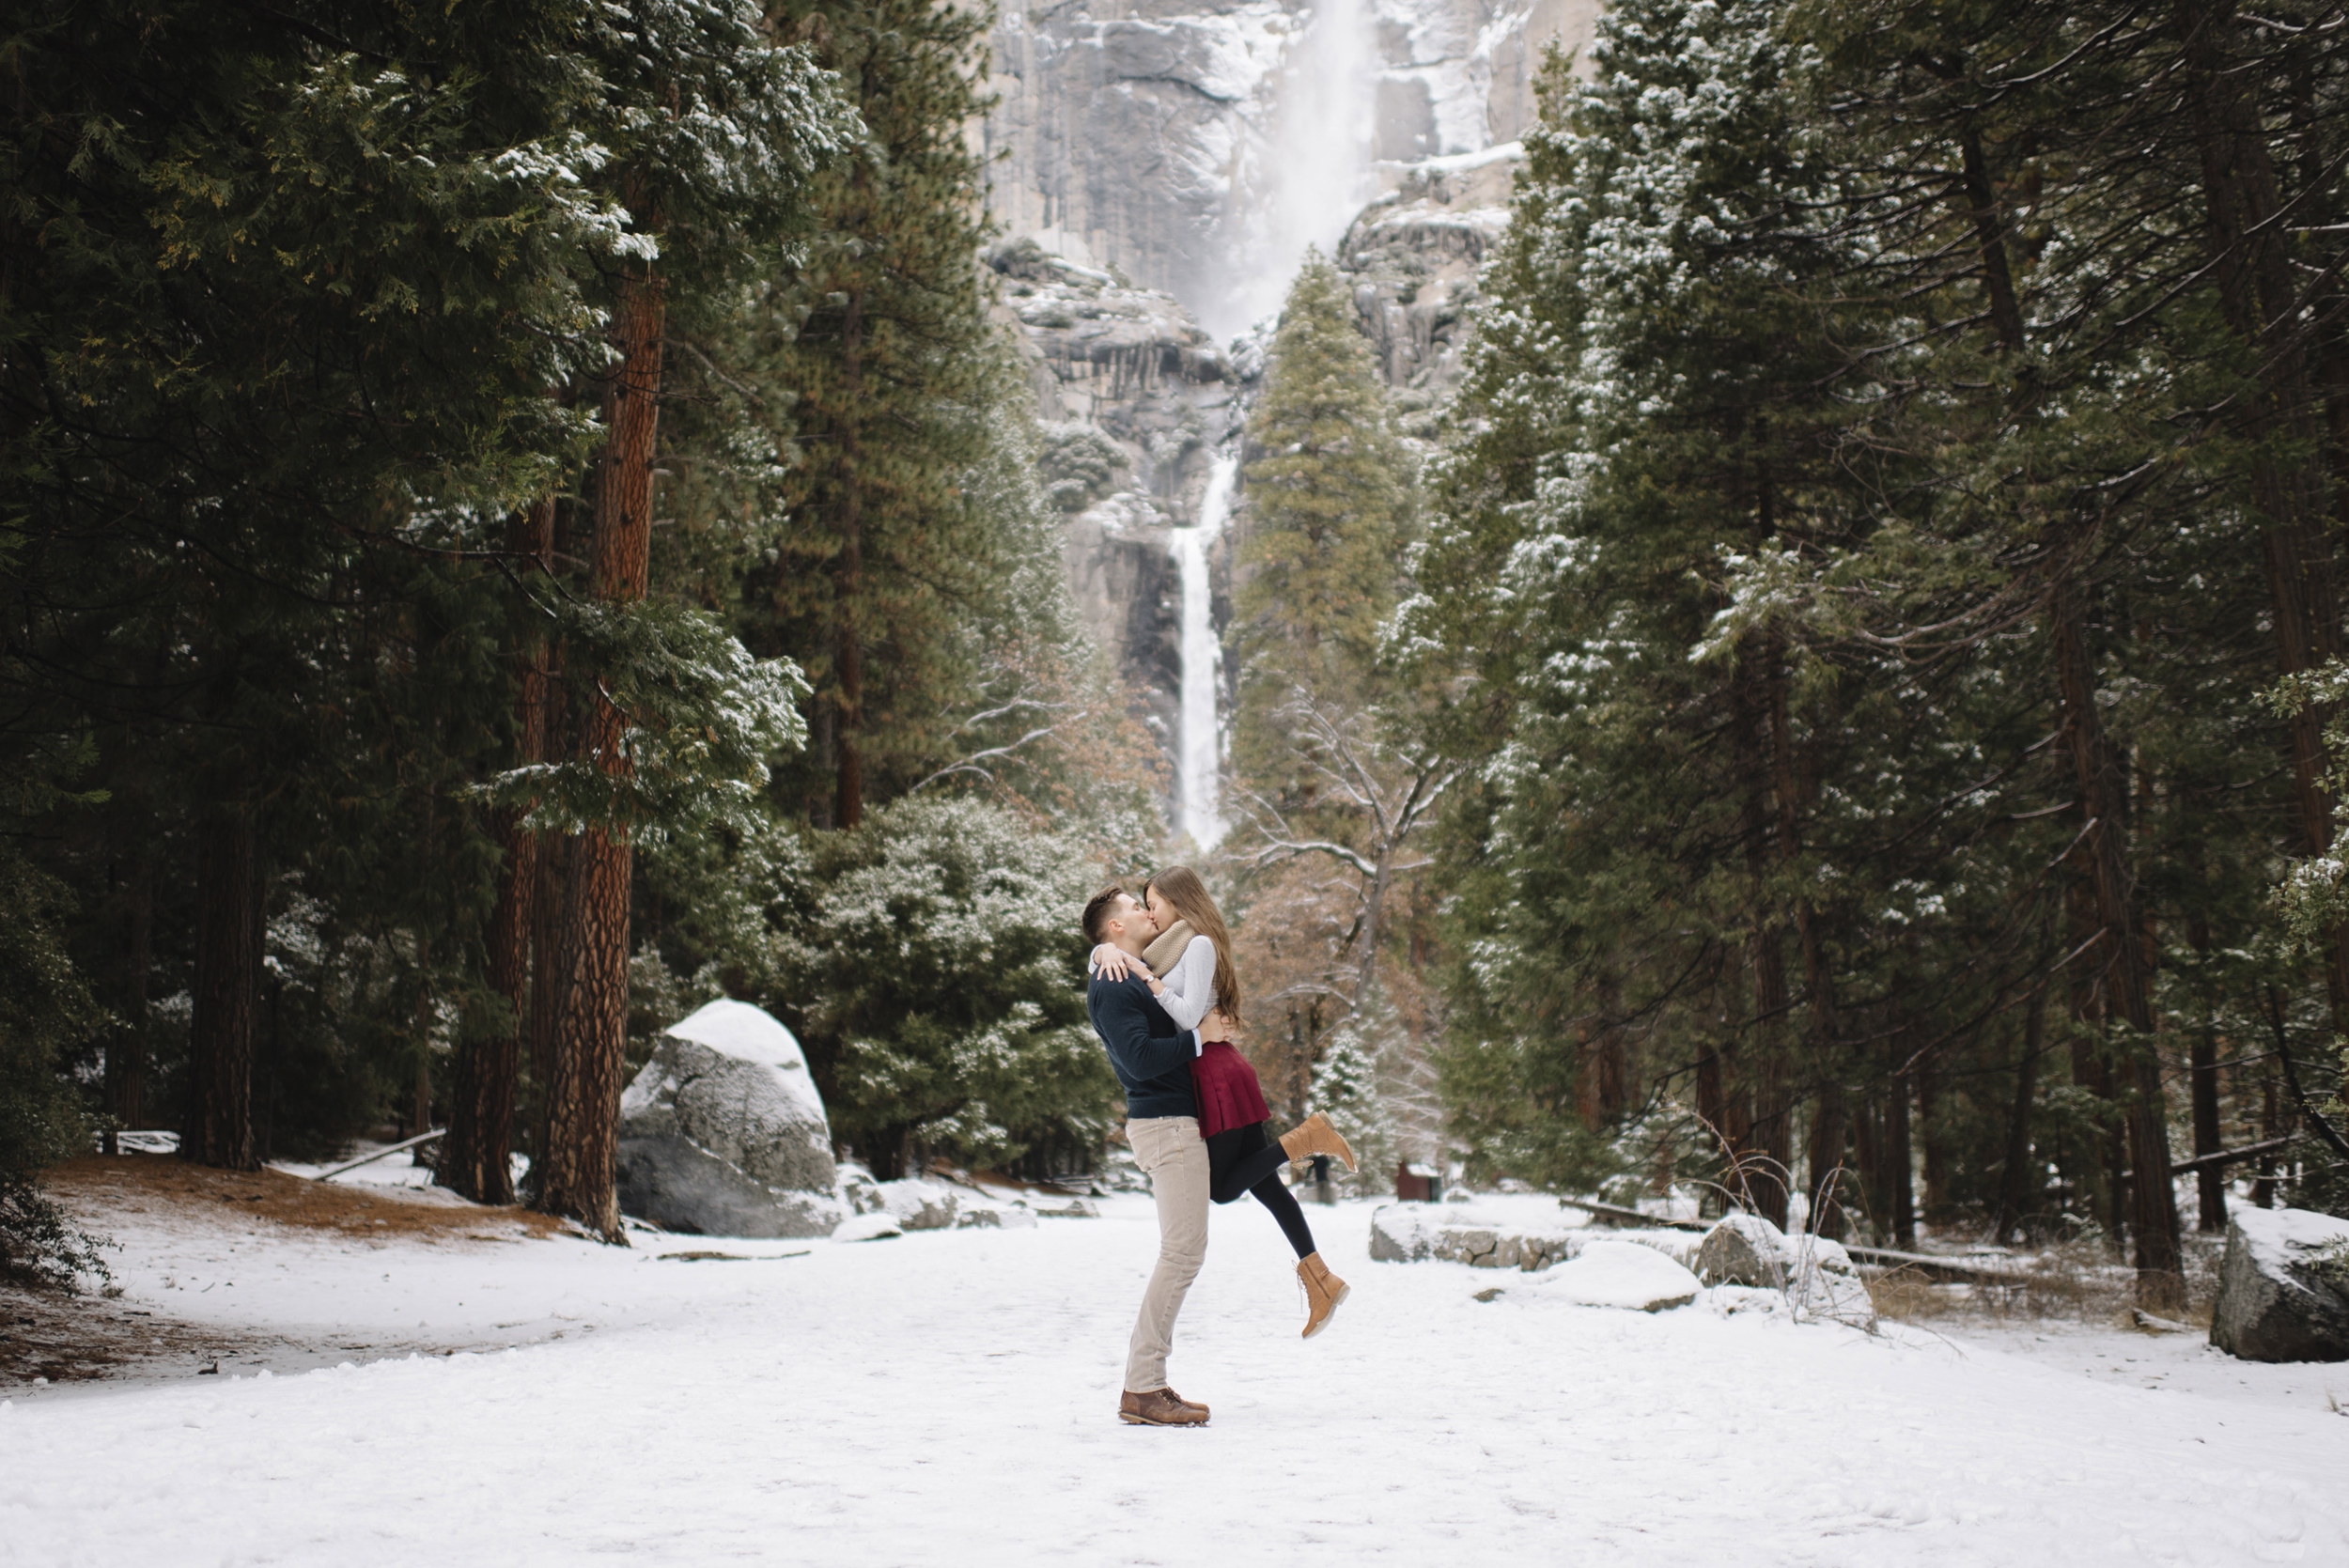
948	1398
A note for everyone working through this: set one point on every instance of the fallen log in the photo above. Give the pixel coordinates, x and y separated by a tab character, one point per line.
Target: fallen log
1944	1271
421	1138
1622	1216
2227	1156
1940	1270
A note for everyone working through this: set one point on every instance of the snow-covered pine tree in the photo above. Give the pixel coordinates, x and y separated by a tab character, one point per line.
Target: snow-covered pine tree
1349	1086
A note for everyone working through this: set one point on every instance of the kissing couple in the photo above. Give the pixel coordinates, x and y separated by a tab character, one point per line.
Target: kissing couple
1164	998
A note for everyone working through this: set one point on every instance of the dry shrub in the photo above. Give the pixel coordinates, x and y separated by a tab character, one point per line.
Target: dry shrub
2073	1281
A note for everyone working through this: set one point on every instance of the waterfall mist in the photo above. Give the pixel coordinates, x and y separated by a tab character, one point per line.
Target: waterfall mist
1315	174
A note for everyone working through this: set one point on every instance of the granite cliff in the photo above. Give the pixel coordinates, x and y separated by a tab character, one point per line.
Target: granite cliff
1161	164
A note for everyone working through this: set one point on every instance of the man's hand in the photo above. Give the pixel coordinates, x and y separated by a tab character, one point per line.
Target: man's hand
1116	963
1215	1026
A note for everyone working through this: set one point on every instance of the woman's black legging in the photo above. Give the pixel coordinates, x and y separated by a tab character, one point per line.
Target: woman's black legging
1242	1160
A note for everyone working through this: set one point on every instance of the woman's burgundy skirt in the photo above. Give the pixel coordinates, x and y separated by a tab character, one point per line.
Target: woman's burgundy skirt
1229	1095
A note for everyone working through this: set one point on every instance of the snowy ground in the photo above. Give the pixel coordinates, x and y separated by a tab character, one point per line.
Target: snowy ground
948	1398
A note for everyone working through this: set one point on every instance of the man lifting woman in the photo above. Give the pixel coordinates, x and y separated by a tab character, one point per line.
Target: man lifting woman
1164	998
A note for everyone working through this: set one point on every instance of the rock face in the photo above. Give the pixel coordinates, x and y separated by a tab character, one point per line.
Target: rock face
2283	1290
1157	137
1137	402
1413	256
724	1134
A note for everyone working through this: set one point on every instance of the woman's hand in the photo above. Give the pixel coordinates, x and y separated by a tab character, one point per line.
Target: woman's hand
1116	963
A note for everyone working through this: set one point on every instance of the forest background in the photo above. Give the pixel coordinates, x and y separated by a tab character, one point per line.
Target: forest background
523	519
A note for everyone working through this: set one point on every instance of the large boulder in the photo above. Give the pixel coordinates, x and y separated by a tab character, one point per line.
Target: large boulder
2283	1290
724	1134
1816	1274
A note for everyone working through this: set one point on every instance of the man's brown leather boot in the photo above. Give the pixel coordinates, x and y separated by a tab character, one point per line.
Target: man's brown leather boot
1315	1136
1158	1407
1188	1404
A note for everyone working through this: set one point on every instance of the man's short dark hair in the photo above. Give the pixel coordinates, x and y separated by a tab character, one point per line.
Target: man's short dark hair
1099	910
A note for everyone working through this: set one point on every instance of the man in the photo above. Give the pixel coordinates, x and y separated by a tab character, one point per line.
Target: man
1152	1060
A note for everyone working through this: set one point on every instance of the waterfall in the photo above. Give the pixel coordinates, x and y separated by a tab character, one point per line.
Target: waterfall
1199	737
1316	173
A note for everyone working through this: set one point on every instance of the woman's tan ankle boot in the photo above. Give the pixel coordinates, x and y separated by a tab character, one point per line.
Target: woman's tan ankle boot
1323	1292
1315	1136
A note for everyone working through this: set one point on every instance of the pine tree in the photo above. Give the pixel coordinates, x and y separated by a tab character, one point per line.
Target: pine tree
1325	512
1324	519
890	356
266	575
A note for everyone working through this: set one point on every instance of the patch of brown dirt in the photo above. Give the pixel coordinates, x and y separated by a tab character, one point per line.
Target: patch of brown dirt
61	1337
165	1184
47	1335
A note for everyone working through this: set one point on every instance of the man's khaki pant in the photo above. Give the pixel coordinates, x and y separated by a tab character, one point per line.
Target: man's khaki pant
1173	1155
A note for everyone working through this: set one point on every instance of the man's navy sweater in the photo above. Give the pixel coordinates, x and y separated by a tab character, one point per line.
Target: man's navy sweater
1150	1056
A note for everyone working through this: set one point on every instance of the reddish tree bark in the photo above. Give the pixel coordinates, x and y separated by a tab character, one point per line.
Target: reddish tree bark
591	1023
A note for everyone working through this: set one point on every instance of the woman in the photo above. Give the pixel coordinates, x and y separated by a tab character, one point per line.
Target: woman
1191	976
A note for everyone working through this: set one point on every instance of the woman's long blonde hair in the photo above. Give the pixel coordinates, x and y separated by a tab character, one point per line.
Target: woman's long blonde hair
1182	889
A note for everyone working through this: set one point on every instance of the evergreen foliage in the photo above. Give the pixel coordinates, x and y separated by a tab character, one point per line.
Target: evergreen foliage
1327	497
929	962
895	368
1851	592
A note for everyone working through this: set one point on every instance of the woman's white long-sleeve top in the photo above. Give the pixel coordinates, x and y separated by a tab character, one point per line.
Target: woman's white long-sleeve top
1190	993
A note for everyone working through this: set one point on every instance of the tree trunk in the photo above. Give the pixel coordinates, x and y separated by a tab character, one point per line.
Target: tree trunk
591	1020
219	1126
476	1157
549	907
127	1064
1830	1126
1932	1133
1898	1161
1867	1149
2104	796
2248	241
848	583
2018	1182
2271	1123
2211	1182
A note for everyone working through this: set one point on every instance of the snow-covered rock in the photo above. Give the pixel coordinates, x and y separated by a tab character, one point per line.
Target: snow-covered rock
1487	1235
1409	1232
1815	1274
920	1205
868	1227
724	1133
1620	1274
2283	1290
